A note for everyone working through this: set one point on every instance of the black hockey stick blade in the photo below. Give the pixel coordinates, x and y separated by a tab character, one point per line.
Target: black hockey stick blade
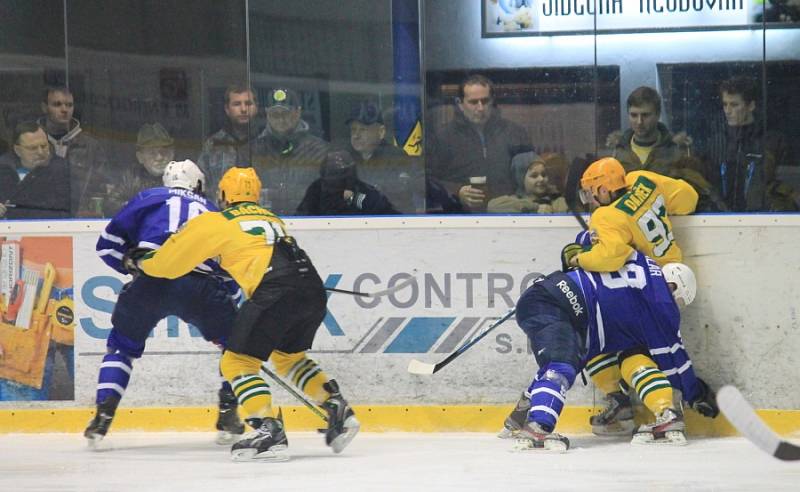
741	414
385	292
426	369
571	187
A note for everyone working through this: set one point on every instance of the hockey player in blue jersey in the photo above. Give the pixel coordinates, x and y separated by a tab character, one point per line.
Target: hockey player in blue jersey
572	317
203	297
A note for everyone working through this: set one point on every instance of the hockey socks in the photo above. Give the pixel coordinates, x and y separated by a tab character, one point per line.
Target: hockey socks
115	373
249	387
548	393
650	384
304	373
604	372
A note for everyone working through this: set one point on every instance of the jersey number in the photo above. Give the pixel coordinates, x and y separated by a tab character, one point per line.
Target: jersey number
176	211
631	275
270	230
655	229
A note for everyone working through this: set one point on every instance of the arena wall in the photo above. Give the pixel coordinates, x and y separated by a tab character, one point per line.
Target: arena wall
742	329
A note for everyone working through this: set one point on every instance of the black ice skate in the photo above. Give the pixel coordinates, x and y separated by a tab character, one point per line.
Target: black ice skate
533	436
616	419
229	426
342	423
98	426
266	443
517	418
669	428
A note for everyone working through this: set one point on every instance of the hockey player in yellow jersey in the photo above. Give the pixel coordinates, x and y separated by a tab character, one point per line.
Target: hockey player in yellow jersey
631	213
286	303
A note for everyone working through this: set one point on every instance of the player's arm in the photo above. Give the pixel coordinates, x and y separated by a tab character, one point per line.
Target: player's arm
117	237
184	250
681	197
612	248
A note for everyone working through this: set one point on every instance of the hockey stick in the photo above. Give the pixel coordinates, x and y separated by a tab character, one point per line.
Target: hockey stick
380	293
311	406
741	414
418	367
574	174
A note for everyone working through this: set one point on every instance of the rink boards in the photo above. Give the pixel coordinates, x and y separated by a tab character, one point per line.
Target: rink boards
742	329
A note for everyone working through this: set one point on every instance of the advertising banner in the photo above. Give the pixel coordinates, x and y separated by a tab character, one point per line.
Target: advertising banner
37	334
548	17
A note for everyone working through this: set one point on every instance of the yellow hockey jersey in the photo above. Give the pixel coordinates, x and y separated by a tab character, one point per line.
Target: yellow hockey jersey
241	238
638	220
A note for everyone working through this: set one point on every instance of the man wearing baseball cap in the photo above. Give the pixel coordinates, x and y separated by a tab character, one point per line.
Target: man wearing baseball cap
289	156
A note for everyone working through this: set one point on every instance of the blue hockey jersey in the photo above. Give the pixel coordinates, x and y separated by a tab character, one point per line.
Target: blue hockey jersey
631	308
147	220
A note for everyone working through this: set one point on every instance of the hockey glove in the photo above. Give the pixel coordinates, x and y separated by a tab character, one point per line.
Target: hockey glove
569	252
130	260
706	403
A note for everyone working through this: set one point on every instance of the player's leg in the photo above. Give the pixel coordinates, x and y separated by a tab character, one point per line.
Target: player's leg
256	330
556	347
655	392
112	381
268	441
137	310
209	307
616	418
291	361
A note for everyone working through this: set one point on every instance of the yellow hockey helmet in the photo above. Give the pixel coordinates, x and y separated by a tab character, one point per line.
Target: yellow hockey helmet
239	184
606	172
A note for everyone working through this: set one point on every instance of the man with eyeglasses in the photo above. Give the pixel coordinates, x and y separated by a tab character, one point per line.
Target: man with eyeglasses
34	183
478	143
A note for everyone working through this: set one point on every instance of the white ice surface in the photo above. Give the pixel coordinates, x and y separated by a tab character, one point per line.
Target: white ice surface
378	462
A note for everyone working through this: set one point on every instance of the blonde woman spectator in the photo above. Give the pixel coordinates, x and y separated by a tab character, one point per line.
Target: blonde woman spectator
537	182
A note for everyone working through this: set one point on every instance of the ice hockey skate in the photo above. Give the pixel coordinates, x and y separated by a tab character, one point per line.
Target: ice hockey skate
342	423
98	426
267	442
533	437
517	418
229	427
616	419
669	428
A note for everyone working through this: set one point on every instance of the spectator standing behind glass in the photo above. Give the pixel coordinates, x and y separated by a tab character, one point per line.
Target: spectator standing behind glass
338	191
649	145
86	157
233	144
154	150
744	159
537	183
34	183
288	156
381	164
477	143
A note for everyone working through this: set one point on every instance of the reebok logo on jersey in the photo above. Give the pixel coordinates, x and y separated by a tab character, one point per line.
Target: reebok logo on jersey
571	297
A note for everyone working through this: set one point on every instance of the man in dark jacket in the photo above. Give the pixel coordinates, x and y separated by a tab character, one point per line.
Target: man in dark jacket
288	157
383	165
86	156
34	184
744	159
234	143
648	145
477	143
338	191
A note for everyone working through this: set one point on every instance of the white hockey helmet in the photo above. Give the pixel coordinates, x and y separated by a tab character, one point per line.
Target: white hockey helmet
685	282
184	174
